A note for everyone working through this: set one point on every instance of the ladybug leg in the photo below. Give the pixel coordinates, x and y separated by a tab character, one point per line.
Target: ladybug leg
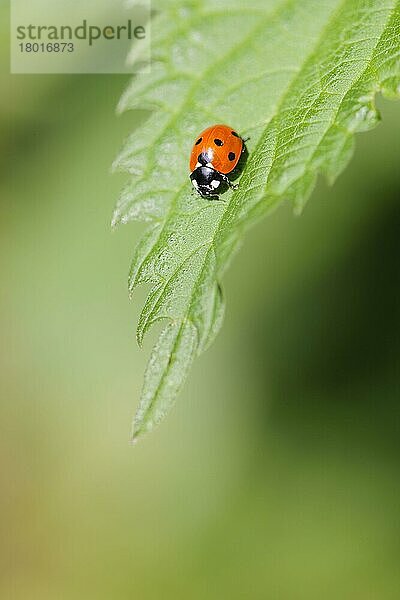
233	186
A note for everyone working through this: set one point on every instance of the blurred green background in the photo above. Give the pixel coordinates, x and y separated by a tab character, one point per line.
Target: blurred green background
277	474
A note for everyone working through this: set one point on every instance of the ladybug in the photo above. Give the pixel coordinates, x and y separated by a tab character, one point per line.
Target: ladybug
215	153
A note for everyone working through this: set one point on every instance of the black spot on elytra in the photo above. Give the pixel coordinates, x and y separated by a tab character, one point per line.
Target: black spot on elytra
218	142
231	156
203	158
235	134
198	141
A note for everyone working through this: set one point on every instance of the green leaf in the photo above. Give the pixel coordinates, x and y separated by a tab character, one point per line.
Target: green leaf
300	79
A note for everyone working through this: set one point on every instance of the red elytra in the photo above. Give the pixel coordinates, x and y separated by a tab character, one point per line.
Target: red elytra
222	145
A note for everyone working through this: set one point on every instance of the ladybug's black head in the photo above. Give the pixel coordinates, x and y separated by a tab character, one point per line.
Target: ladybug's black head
207	181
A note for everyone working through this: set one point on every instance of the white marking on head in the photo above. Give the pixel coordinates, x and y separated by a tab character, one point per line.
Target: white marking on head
210	165
197	165
195	184
215	183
